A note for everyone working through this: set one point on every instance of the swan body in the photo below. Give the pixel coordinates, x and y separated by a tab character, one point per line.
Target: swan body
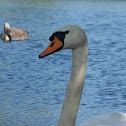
73	37
109	119
10	33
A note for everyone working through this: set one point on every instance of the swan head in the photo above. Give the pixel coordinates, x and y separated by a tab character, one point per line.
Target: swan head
69	37
6	34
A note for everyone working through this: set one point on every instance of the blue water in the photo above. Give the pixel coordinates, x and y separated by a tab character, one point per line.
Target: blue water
32	90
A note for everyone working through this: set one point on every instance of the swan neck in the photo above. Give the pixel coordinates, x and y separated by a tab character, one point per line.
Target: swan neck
74	86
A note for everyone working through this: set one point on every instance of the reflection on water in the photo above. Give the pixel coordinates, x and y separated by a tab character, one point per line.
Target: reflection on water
32	90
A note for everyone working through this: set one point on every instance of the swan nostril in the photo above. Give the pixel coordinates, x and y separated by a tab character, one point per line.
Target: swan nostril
52	44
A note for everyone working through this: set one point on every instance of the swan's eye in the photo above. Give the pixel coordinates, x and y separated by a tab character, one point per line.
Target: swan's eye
66	32
52	43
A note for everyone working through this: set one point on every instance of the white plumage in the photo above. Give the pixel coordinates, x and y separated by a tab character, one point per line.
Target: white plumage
76	40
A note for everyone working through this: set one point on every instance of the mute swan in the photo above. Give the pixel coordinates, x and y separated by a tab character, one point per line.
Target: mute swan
13	33
73	37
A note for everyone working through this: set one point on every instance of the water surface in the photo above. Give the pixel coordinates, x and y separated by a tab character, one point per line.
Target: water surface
32	90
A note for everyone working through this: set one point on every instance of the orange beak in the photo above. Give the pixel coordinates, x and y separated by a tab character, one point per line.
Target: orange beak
54	46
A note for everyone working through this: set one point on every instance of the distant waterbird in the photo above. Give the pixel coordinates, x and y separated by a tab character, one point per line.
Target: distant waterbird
11	33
